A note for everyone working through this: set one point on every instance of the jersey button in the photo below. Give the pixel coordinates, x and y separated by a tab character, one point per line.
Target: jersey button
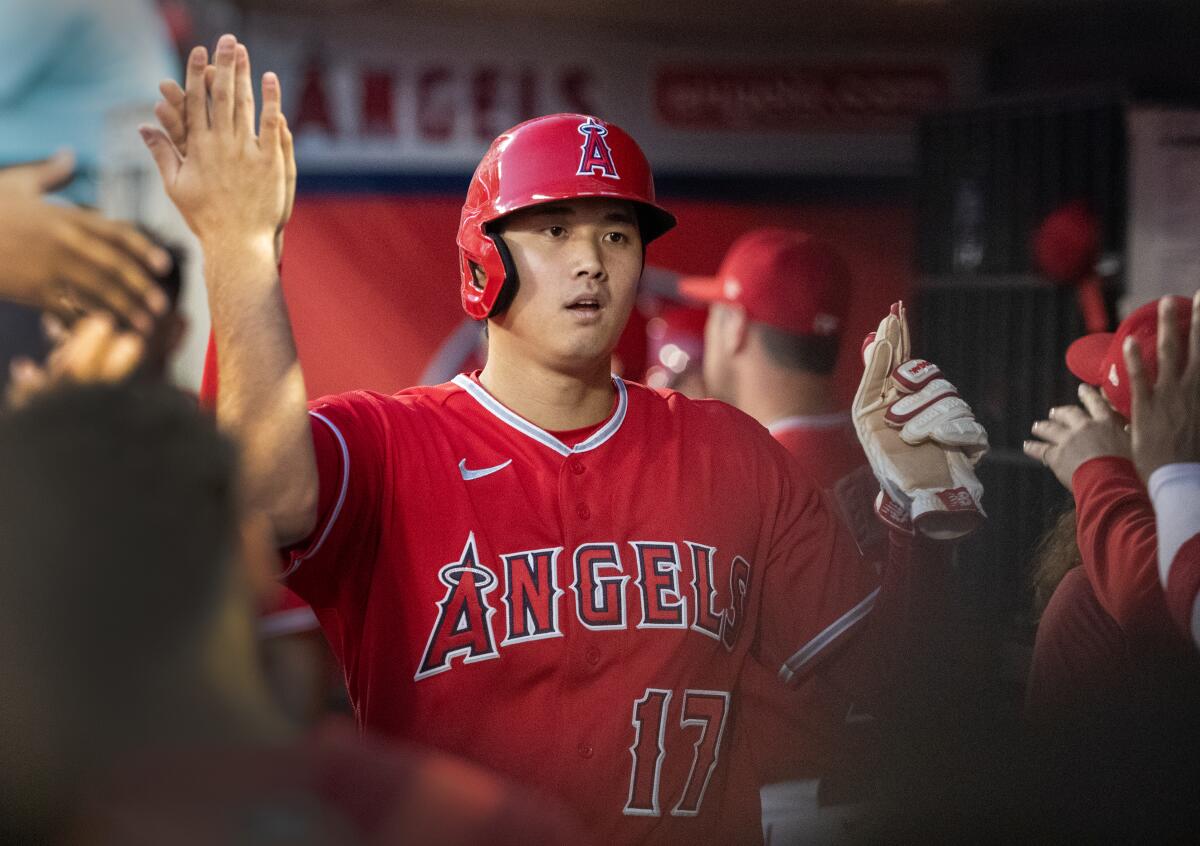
577	467
592	655
585	751
583	511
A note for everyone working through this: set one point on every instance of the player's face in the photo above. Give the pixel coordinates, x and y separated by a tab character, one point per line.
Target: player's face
578	262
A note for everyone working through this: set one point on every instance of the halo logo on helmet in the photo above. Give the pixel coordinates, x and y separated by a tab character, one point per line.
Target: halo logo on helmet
542	161
597	157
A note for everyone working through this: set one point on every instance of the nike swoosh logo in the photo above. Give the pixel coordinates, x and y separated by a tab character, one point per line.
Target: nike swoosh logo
468	474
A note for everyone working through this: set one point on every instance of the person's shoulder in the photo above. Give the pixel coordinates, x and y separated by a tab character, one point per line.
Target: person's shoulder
712	414
406	399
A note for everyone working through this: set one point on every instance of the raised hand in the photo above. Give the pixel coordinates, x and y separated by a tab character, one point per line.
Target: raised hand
1165	428
171	112
1073	435
230	184
95	350
63	259
32	179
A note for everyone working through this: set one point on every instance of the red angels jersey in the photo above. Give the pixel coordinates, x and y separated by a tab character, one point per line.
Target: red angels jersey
577	616
796	734
824	444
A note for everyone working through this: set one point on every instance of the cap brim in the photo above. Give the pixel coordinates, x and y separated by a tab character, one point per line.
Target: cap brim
1085	356
701	289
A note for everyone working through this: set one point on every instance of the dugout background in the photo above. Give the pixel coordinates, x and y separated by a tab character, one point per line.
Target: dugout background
1013	107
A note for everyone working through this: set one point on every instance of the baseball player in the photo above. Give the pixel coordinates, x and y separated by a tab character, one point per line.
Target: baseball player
548	570
776	310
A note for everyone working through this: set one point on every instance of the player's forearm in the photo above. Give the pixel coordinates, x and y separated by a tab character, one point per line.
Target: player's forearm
262	401
1118	541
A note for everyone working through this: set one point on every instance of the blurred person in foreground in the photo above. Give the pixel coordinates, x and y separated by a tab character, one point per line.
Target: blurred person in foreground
132	705
1105	640
1165	434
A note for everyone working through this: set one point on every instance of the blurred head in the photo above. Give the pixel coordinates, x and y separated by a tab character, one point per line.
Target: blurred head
1098	360
780	298
119	516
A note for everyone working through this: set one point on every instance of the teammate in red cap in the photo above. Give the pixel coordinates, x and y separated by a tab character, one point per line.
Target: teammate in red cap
777	307
539	566
1088	448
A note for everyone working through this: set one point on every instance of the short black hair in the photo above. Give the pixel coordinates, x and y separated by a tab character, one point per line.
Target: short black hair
118	513
810	353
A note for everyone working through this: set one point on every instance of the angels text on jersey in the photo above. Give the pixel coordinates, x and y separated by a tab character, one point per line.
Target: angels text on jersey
645	585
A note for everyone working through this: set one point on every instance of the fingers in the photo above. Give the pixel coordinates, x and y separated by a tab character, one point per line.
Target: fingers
166	157
96	351
1071	416
1095	403
123	356
108	262
873	387
904	347
54	172
289	168
1049	430
195	93
173	122
269	131
1168	343
243	104
1139	389
1036	450
223	84
133	244
25	380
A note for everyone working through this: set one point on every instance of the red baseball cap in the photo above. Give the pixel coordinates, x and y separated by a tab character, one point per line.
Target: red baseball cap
1097	359
785	278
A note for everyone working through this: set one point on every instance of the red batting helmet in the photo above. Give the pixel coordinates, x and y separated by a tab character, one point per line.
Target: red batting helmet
558	157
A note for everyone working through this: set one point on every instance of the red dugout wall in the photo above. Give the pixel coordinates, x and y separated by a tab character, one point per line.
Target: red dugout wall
371	281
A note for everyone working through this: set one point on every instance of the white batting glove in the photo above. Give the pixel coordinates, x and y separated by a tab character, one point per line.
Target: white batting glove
920	437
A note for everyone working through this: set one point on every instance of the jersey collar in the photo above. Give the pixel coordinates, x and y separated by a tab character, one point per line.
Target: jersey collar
511	418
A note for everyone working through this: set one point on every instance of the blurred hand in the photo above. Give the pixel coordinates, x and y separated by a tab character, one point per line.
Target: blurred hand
63	259
1074	435
1166	417
93	351
33	179
230	185
171	112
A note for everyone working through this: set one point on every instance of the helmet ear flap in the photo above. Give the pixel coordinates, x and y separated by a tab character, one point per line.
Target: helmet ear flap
508	289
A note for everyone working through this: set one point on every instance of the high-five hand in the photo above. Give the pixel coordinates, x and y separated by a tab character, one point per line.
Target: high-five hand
229	183
1166	411
171	112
